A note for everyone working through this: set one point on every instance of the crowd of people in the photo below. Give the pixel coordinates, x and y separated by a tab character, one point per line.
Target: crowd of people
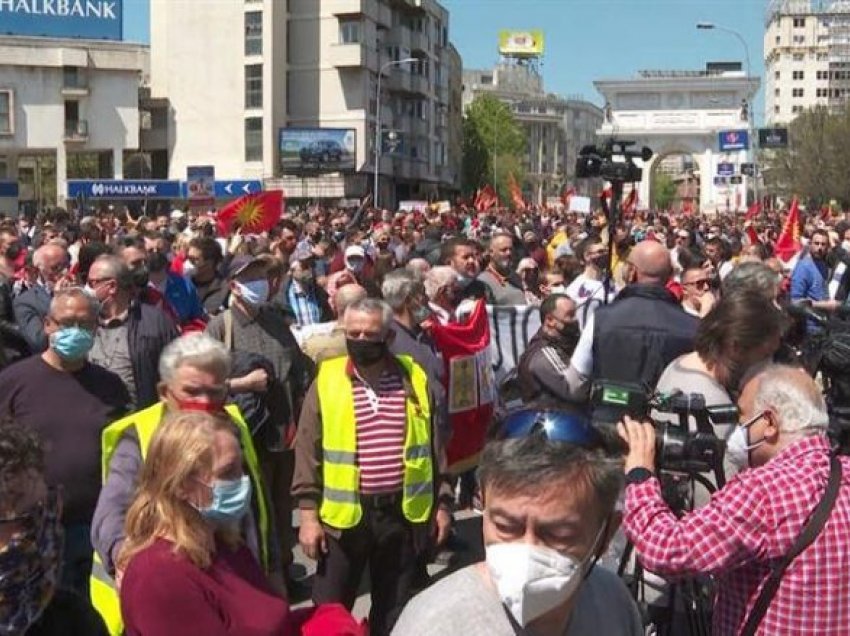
170	397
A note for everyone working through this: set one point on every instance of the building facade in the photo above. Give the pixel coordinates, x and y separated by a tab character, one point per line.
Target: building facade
300	67
556	127
68	109
807	57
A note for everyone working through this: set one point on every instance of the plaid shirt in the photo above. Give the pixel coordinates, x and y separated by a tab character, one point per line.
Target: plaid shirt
304	305
745	530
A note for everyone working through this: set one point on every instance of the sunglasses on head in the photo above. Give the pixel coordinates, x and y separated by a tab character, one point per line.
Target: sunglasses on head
555	426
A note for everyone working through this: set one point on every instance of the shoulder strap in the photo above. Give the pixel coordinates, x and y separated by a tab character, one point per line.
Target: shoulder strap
810	532
227	317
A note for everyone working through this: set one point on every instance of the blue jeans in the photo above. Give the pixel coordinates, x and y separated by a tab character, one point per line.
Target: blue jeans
77	558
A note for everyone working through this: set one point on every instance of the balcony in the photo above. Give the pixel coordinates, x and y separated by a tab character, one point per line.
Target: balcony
77	131
419	41
420	84
355	55
75	82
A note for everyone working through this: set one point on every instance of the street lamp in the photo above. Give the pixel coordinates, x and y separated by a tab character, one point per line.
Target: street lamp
407	60
710	26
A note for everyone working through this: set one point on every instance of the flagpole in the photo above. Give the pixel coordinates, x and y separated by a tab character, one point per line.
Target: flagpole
407	60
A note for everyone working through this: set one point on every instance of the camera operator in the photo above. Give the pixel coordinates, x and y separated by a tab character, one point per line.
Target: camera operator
634	338
743	534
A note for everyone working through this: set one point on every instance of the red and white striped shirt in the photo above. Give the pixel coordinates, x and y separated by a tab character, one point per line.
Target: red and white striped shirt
381	425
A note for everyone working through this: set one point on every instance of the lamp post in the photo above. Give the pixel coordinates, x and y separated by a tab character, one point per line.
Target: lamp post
407	60
710	26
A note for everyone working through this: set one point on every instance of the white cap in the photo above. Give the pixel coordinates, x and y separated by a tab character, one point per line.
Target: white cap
354	250
177	214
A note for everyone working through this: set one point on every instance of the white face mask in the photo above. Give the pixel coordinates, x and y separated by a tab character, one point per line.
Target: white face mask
845	245
558	289
533	580
254	292
189	269
738	446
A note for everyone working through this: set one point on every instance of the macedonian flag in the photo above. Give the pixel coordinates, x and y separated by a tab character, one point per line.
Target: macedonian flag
253	213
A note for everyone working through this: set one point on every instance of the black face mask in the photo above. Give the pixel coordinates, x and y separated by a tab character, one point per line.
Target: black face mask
570	333
13	251
141	276
365	353
157	262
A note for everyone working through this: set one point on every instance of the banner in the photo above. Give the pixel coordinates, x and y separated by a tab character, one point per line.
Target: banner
734	140
521	43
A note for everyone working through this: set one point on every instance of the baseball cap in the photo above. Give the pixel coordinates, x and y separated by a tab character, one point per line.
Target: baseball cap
354	250
240	263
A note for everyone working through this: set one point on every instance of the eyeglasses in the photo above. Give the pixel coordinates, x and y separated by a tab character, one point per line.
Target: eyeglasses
556	426
700	284
98	281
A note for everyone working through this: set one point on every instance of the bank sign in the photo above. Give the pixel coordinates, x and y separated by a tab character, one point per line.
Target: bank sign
130	189
89	19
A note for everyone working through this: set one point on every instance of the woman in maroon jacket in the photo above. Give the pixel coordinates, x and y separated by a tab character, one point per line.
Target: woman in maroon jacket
187	569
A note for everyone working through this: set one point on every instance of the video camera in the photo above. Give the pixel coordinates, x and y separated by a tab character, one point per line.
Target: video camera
678	449
612	161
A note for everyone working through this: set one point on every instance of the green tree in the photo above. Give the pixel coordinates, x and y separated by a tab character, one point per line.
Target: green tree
491	133
663	190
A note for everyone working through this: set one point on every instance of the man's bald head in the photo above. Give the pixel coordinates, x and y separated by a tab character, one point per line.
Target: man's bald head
652	262
346	296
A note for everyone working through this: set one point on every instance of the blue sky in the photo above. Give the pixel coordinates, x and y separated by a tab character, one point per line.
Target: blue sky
589	39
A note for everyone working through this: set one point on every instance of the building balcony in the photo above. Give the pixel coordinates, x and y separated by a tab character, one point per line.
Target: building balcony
77	131
355	55
419	127
420	84
419	41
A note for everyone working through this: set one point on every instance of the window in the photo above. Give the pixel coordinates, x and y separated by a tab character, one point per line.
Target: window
822	92
799	23
6	112
799	57
798	75
796	92
487	80
823	75
253	33
796	109
776	75
776	92
72	77
778	40
254	86
254	139
799	39
776	110
349	31
822	57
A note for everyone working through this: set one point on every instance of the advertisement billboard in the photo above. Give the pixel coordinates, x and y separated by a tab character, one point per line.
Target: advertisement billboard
521	43
773	138
317	149
89	19
725	169
200	184
734	140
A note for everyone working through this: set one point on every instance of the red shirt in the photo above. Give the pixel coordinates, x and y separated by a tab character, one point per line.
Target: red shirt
745	530
164	594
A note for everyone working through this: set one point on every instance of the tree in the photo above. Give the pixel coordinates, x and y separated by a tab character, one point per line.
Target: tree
663	190
491	132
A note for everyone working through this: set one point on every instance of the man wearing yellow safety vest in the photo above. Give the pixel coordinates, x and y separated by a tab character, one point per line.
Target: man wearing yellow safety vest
368	470
194	372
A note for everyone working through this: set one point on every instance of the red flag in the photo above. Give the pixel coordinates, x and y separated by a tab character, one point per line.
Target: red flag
253	213
687	207
752	236
566	196
471	385
516	194
485	198
630	203
753	211
825	212
788	243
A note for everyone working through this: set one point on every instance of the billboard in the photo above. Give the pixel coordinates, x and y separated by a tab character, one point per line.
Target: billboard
124	189
725	169
773	137
521	43
734	140
200	184
317	149
90	19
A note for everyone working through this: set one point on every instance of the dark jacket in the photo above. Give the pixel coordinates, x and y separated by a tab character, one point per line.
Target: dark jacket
639	334
326	314
30	309
13	345
543	369
149	330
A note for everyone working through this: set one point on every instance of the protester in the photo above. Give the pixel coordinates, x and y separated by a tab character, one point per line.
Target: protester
51	265
321	346
811	275
747	528
67	401
588	289
301	296
550	491
504	285
31	599
697	299
203	263
366	489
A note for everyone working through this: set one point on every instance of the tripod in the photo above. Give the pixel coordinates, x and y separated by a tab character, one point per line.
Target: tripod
694	596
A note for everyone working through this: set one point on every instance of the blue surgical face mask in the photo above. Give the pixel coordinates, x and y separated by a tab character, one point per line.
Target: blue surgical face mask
230	500
72	343
254	292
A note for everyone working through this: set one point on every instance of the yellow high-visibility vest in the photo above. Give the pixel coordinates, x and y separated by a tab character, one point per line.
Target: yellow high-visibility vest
104	595
340	473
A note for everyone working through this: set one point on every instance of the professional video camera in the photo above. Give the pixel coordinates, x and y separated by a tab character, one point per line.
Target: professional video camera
612	161
679	449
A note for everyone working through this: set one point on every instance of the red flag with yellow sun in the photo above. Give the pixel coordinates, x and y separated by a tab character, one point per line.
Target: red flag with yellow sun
252	214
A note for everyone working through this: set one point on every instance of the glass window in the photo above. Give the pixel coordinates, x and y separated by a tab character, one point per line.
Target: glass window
254	33
6	112
254	86
349	31
254	139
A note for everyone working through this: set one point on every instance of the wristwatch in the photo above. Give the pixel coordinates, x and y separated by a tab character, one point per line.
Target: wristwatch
638	475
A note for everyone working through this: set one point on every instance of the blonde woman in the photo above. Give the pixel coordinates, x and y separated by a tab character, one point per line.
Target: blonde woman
186	569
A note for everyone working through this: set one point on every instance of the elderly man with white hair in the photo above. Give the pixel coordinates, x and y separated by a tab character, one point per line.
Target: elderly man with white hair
444	292
193	371
775	538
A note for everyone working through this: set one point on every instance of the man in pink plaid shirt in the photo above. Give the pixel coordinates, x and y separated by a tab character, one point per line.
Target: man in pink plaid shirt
755	520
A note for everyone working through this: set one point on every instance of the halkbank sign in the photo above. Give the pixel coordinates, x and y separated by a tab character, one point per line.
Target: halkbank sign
90	19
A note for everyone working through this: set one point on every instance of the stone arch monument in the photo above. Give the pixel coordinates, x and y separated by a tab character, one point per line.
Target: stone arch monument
684	112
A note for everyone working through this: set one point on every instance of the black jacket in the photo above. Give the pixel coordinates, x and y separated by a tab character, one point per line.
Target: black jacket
539	371
13	345
639	334
149	330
